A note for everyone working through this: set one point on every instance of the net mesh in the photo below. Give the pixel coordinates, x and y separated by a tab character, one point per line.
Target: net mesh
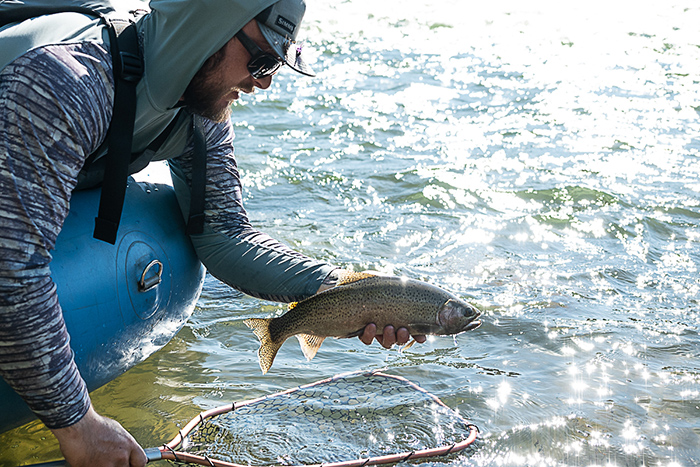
345	417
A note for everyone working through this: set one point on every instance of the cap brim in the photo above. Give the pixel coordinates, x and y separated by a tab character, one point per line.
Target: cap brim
291	52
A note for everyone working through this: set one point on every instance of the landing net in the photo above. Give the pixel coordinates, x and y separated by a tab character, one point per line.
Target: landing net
349	420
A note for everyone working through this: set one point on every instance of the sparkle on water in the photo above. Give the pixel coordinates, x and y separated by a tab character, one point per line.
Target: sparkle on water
539	159
353	416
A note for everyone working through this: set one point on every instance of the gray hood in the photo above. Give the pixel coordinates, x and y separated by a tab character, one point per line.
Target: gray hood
177	37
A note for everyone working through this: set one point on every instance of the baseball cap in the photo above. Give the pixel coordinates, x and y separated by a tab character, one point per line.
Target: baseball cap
279	24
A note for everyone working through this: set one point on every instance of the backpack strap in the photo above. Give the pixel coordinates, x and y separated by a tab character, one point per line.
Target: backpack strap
128	69
127	64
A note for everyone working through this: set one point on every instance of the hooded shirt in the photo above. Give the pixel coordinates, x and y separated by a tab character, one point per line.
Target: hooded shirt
177	36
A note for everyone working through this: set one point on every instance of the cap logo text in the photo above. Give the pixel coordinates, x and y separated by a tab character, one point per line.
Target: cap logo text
285	24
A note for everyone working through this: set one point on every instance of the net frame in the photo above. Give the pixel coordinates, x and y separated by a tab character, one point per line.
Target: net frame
169	451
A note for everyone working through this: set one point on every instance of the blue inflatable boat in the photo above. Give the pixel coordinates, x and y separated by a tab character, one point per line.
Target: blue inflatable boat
120	302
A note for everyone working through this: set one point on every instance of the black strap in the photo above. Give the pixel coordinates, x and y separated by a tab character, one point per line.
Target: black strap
195	223
128	69
155	145
127	66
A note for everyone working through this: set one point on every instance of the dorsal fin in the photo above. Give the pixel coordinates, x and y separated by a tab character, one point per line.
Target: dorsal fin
354	277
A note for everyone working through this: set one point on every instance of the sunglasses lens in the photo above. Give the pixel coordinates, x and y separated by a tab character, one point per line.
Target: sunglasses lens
263	65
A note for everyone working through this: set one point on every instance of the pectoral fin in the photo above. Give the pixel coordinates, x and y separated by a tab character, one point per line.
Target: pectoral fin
309	344
407	346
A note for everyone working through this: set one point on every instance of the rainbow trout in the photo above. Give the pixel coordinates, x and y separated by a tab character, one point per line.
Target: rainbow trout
345	310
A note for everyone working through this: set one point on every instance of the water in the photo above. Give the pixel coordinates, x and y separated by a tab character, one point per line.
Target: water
539	159
361	415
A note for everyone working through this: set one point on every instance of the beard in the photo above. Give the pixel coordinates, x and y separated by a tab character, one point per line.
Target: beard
202	103
203	95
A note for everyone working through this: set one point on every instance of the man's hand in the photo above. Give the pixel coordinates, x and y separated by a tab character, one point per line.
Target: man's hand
97	441
389	336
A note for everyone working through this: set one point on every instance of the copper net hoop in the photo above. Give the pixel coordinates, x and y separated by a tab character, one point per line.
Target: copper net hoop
169	451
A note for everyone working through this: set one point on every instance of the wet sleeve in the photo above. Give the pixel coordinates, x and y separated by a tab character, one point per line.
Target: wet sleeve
230	248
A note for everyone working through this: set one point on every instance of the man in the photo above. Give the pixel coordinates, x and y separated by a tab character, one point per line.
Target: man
56	104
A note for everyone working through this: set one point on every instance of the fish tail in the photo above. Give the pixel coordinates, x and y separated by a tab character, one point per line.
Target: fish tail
309	344
268	347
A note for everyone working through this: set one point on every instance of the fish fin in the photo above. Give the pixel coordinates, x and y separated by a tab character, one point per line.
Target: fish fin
309	344
351	277
408	346
268	347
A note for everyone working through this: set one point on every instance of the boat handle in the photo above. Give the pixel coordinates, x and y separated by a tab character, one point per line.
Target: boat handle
147	284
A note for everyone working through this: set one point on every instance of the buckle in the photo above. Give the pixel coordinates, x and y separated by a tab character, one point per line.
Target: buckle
131	67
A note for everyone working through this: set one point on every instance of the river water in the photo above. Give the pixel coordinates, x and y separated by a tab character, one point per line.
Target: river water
540	160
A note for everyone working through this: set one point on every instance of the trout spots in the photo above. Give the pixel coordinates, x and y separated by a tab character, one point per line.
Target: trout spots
348	308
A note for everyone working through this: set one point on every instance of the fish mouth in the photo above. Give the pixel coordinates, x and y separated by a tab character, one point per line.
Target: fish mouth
473	325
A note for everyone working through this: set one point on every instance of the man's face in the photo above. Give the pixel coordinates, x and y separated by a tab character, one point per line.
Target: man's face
224	76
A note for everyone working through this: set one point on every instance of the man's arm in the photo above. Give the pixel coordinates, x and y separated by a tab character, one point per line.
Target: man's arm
55	108
230	247
245	258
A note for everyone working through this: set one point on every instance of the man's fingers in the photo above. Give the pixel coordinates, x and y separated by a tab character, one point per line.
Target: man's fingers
402	336
369	334
389	337
138	458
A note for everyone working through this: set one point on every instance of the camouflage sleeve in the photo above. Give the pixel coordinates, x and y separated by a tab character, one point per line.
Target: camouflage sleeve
230	248
55	108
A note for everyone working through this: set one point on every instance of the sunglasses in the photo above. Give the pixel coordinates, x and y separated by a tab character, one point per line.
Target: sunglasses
261	63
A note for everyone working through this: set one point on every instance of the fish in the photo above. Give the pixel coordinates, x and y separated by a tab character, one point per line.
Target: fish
358	300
